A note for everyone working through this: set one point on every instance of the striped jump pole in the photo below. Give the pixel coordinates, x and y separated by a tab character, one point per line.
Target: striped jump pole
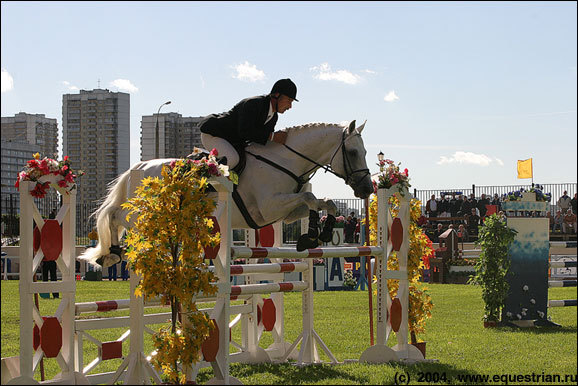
562	303
562	283
291	253
562	264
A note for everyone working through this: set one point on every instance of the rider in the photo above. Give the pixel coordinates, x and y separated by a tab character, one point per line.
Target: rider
250	120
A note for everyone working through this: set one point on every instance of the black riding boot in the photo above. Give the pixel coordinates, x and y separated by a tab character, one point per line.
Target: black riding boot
309	239
327	232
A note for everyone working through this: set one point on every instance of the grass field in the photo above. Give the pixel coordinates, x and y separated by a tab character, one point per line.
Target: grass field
456	340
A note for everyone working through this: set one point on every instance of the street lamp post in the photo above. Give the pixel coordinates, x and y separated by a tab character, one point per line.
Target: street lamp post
157	129
380	157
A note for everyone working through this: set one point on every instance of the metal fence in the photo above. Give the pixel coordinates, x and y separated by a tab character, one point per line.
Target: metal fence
11	217
556	190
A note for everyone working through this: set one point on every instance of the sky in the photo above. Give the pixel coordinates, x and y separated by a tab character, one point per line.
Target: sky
457	92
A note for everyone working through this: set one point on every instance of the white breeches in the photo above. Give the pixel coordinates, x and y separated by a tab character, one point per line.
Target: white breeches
224	148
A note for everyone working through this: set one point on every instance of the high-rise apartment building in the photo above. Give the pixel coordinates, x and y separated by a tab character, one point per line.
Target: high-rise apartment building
35	129
96	138
23	135
178	136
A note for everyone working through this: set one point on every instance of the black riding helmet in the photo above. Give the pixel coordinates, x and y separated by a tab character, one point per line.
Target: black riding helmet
285	87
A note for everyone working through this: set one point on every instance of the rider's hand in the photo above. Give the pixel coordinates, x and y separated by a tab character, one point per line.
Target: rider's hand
280	137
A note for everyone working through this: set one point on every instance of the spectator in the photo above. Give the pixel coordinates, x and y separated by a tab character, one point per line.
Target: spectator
502	216
123	270
473	221
438	233
573	203
466	206
496	201
550	220
422	220
444	206
569	222
431	207
357	230
463	235
564	202
349	229
558	221
482	206
473	202
454	206
112	271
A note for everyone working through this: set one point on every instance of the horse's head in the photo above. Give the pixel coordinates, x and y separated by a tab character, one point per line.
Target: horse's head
349	161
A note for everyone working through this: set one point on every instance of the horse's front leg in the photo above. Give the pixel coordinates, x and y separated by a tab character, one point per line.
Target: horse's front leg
291	207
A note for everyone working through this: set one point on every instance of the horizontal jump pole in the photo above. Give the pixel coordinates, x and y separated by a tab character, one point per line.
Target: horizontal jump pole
563	244
265	288
562	283
266	268
562	264
562	303
124	304
291	253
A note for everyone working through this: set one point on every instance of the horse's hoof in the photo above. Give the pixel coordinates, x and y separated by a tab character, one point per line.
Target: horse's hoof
108	260
304	242
326	236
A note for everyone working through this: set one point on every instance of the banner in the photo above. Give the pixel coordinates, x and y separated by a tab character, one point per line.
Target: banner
525	168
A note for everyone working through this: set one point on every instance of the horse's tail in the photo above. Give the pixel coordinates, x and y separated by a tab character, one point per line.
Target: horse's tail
117	195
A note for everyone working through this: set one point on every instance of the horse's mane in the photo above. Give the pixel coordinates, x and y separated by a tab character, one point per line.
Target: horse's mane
313	125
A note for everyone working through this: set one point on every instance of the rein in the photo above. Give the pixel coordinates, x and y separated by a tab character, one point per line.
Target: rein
305	177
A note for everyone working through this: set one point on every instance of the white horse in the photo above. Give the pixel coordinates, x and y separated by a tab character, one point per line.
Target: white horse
270	185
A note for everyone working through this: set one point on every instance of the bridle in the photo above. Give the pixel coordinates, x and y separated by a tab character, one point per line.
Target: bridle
349	172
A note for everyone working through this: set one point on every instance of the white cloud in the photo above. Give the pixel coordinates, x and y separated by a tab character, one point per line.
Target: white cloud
7	81
391	96
462	157
248	72
371	72
324	72
69	86
124	85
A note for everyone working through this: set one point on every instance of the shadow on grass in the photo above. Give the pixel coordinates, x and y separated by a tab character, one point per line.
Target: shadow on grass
350	373
536	329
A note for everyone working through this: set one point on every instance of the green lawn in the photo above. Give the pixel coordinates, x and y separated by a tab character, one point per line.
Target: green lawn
455	337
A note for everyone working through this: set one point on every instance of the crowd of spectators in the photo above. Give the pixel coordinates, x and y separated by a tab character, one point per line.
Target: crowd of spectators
467	213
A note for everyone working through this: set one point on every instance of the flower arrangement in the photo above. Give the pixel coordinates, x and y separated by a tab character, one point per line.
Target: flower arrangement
349	281
208	166
48	172
390	175
517	195
166	247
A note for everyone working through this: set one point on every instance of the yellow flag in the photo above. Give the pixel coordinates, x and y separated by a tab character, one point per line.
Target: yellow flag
525	168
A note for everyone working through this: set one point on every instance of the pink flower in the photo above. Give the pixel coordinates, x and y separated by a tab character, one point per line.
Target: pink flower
172	164
405	172
374	187
214	152
213	169
65	158
62	183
